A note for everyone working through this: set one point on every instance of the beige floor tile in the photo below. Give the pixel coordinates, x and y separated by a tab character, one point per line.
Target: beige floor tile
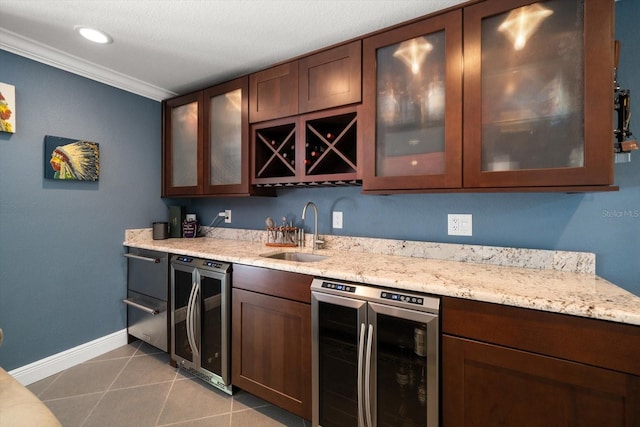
192	399
72	411
39	387
243	400
145	348
266	416
84	378
134	385
215	421
147	369
130	407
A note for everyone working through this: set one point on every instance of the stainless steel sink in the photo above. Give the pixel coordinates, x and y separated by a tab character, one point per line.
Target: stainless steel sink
295	256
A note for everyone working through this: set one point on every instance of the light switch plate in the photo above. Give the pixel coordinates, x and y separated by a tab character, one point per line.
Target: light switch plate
337	219
460	224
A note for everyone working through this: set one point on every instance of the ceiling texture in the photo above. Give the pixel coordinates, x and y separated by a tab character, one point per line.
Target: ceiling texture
162	48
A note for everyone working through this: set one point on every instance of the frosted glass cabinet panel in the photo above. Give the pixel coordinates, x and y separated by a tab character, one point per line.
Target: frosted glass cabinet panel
532	87
538	93
206	142
412	105
182	142
184	134
225	120
226	137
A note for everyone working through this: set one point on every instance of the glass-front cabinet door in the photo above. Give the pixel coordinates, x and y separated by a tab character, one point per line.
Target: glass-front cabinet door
182	156
538	97
412	106
226	135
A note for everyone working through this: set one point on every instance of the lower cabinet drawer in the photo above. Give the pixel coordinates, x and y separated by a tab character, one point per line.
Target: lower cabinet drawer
147	319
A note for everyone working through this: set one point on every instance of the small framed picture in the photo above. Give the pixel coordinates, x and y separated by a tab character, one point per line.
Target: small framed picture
7	108
71	159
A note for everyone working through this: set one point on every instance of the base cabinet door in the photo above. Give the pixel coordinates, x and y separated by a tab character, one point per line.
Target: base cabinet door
271	350
485	384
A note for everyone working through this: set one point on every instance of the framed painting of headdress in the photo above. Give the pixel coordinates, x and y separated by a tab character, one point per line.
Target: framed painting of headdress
71	159
7	108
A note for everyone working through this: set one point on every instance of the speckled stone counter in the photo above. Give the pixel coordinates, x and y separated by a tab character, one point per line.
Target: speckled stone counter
554	281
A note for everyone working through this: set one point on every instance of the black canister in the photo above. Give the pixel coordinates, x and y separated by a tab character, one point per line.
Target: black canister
160	230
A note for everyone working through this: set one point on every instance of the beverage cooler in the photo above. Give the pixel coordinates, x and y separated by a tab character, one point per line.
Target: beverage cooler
200	319
375	356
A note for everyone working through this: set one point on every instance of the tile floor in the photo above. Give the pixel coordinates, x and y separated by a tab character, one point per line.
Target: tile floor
134	385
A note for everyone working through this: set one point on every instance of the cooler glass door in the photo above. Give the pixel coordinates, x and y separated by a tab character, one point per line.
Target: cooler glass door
214	321
339	327
183	280
402	367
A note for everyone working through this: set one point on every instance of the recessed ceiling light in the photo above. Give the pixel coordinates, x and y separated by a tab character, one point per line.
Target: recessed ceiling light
94	35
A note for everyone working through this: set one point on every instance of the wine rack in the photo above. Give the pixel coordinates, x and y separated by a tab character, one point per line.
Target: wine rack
316	149
275	153
331	145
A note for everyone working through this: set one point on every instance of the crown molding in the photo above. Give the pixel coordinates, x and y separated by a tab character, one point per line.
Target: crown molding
45	54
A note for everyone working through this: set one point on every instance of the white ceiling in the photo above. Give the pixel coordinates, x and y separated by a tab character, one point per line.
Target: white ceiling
166	47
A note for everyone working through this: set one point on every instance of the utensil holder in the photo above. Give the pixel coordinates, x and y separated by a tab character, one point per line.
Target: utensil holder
283	236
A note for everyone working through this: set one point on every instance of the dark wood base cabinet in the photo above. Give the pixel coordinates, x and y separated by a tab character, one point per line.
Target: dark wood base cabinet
504	366
486	384
271	337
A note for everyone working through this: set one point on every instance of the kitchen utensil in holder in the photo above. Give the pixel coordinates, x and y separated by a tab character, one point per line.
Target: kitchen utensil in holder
283	236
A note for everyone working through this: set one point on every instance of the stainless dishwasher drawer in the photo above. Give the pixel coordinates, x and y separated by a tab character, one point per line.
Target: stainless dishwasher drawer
148	272
147	319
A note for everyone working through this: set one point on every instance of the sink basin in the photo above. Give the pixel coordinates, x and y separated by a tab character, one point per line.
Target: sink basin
296	256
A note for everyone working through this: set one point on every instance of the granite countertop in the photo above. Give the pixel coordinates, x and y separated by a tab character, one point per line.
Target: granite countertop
554	281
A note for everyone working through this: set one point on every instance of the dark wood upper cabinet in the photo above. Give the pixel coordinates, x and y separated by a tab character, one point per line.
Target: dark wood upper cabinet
313	138
182	145
330	78
226	138
537	93
327	79
206	142
273	93
412	106
532	110
496	95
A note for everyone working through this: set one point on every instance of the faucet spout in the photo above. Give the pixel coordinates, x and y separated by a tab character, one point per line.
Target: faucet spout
316	241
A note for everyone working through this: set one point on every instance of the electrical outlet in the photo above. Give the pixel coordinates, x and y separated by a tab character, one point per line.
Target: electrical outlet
337	219
460	224
227	216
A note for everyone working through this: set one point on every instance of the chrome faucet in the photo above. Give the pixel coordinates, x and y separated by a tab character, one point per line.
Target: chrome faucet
316	242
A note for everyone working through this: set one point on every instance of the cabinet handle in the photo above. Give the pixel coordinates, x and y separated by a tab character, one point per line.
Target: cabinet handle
142	258
360	375
367	374
144	308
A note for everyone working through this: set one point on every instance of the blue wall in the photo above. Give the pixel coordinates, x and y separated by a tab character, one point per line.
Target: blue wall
62	274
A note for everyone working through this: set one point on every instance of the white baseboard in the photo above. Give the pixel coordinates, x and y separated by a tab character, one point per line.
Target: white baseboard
51	365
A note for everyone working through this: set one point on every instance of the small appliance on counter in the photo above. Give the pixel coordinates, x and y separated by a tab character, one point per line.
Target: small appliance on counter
190	226
177	216
160	230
